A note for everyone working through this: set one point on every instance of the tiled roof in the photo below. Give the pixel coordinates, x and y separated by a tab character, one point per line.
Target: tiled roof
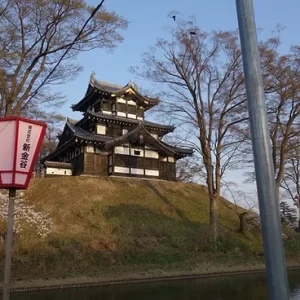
110	88
107	87
83	134
179	152
72	121
58	164
176	149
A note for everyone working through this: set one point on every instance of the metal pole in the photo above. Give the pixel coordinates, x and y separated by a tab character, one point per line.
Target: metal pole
268	202
8	243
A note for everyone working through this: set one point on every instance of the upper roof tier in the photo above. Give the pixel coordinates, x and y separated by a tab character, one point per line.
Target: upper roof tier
109	90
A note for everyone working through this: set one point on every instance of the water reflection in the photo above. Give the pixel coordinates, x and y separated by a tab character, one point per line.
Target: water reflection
246	287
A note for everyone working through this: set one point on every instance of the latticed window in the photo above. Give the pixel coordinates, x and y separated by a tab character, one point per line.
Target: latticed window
131	109
121	107
106	105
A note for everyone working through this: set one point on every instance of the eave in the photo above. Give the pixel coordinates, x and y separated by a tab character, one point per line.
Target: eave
58	164
113	90
81	105
131	122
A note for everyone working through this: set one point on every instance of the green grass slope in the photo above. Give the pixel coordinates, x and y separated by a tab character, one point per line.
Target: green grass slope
114	225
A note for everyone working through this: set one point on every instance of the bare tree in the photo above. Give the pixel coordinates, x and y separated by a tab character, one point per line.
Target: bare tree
201	78
282	94
189	170
291	179
34	36
54	129
245	206
284	110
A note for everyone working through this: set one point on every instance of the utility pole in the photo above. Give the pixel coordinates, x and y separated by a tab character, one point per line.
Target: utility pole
265	179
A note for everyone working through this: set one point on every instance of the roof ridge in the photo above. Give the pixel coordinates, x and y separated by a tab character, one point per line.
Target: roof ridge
108	84
140	126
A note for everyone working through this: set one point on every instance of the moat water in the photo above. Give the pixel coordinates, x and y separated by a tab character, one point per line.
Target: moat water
246	287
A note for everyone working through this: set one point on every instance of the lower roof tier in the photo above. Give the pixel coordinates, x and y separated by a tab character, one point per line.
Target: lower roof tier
138	135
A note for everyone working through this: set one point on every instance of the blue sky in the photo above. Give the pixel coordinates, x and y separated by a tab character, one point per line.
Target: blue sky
148	20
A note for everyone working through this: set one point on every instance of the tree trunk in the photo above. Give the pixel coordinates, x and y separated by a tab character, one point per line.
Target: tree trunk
214	222
242	222
277	185
213	204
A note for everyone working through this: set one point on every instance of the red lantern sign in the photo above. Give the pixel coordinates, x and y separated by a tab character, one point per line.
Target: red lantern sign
20	143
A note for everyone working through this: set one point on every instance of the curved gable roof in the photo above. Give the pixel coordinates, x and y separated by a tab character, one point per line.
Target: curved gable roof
114	90
140	133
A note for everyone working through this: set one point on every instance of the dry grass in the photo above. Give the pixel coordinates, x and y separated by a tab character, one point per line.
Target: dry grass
105	225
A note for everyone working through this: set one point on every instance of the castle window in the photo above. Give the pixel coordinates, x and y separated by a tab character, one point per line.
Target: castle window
90	149
137	152
121	107
171	159
124	131
101	129
106	105
131	109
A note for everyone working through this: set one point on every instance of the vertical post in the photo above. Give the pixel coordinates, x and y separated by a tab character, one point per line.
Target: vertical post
268	202
8	242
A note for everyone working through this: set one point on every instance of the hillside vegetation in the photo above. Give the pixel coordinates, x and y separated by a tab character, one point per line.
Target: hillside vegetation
94	226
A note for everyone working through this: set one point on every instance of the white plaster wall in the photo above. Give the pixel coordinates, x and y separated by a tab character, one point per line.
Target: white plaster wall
137	171
89	149
131	102
121	170
58	171
131	116
152	154
106	112
121	100
122	150
152	172
121	114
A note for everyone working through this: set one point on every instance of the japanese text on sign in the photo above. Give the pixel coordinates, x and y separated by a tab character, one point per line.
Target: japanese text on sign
26	149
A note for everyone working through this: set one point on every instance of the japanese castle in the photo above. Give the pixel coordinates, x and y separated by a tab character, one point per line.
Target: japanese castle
113	138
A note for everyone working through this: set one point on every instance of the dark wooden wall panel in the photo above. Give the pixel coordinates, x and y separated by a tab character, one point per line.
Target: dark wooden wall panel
78	164
167	171
95	164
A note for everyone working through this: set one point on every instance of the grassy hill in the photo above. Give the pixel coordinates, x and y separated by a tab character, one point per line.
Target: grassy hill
93	226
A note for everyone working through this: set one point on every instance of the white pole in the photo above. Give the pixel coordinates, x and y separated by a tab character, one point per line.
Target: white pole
265	178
